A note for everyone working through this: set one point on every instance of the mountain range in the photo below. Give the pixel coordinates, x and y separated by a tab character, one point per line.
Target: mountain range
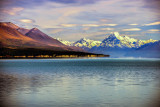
115	45
13	36
120	46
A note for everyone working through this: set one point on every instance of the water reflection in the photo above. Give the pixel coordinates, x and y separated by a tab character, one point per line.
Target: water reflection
79	83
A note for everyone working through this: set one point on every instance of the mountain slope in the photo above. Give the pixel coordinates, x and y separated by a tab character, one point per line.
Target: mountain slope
37	35
65	42
112	41
87	44
23	30
12	36
116	45
148	50
117	41
9	24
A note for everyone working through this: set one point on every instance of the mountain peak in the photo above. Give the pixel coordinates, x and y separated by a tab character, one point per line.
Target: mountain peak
34	29
114	34
87	43
68	43
83	39
9	24
115	40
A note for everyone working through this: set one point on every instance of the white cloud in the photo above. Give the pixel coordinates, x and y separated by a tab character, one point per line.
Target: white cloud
107	29
97	25
109	24
132	29
68	25
91	25
154	30
154	23
26	20
134	24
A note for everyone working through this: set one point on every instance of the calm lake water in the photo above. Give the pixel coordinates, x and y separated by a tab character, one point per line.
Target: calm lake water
80	83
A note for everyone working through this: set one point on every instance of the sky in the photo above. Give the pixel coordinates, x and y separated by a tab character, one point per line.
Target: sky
93	19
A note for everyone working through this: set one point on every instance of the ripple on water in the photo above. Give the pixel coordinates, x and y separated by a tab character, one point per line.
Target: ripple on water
80	83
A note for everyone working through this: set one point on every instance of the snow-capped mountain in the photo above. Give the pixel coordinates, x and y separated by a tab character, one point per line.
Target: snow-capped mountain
87	43
151	50
117	41
116	45
82	43
112	41
121	46
68	43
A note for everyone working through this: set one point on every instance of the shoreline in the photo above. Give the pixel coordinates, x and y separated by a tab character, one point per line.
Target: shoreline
53	57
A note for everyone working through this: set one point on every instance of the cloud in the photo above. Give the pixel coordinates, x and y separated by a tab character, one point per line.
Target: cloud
91	25
68	25
107	29
132	29
109	24
154	23
13	11
83	15
104	20
86	28
56	30
152	4
26	20
154	30
87	25
70	12
90	35
98	25
134	24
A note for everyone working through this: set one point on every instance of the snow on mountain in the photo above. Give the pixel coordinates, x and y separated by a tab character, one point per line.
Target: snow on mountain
82	43
113	41
87	43
150	50
115	45
111	45
68	43
117	41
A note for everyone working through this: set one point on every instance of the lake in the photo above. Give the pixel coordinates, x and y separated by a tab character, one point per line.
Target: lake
100	82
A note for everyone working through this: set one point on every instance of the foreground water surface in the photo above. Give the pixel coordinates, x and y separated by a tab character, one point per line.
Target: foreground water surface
80	83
